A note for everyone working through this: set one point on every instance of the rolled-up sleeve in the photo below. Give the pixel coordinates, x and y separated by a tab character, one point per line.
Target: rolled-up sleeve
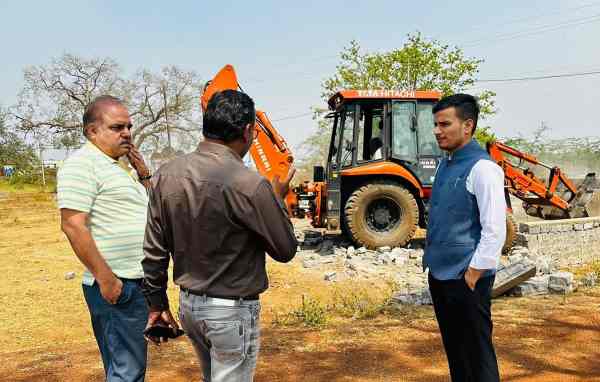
269	220
487	184
156	253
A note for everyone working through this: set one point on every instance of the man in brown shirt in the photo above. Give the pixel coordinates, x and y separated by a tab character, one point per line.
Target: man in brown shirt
216	218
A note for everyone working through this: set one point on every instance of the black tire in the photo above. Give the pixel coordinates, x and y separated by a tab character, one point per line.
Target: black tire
381	214
511	232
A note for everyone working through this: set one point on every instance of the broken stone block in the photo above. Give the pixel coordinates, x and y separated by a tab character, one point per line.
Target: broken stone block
361	250
384	258
384	249
587	226
535	286
310	263
422	297
507	277
399	259
350	251
515	258
330	276
561	282
544	265
339	251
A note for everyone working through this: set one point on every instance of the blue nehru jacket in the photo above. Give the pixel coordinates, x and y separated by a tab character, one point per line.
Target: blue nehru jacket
453	229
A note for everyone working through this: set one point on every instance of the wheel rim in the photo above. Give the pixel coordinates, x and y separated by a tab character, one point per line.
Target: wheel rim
383	215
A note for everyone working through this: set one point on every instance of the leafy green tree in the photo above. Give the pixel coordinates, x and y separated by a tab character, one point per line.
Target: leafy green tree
420	64
14	150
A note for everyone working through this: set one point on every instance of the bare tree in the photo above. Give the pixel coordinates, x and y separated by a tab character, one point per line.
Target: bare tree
51	104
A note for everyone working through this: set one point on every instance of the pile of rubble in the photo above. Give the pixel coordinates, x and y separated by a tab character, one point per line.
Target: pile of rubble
339	260
518	275
547	279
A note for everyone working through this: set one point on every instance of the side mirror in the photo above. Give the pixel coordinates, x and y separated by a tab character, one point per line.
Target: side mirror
318	174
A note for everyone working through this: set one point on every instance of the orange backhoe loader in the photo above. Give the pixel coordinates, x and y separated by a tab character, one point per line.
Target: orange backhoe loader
382	158
558	198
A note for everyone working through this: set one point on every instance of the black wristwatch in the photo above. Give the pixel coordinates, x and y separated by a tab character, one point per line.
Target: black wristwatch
142	178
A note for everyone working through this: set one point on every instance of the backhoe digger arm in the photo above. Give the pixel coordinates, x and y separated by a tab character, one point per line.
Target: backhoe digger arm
522	181
269	150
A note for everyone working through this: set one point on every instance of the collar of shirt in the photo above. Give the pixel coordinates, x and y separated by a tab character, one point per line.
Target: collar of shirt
463	151
101	154
217	148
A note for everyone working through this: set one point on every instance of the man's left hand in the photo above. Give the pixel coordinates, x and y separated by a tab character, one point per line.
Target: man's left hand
471	277
137	161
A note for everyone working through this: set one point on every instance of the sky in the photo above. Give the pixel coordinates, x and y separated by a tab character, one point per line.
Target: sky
282	51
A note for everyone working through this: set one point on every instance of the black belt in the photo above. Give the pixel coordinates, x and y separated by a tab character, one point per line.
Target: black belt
137	281
253	297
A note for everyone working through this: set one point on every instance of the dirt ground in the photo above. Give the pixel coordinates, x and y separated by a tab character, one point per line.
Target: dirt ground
45	333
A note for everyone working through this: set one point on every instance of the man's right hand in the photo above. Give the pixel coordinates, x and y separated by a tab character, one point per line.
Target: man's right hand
110	289
160	318
281	187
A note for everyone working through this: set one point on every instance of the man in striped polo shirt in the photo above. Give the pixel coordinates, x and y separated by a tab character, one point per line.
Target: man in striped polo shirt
103	213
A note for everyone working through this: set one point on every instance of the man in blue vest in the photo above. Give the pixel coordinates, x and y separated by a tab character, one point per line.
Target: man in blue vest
465	234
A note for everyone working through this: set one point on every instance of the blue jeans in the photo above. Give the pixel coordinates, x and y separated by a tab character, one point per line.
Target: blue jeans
119	331
226	338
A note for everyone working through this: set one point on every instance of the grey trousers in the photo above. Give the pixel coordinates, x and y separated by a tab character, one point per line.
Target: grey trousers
226	338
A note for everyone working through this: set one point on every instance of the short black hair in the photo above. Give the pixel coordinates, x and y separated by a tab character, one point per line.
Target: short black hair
92	110
466	107
227	114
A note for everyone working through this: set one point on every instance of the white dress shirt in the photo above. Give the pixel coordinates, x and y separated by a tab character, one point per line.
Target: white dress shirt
486	182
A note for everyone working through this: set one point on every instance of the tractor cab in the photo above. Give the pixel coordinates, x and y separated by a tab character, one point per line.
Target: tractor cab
381	164
374	126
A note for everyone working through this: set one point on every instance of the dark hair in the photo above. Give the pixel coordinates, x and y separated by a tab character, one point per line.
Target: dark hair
466	107
92	111
227	114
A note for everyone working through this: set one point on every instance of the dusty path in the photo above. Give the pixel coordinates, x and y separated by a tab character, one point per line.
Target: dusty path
45	333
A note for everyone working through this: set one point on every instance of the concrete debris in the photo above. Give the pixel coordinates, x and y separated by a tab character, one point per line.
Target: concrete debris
310	263
70	275
535	286
515	258
350	251
384	258
590	280
544	265
416	254
508	277
561	282
422	297
361	250
328	260
330	276
384	249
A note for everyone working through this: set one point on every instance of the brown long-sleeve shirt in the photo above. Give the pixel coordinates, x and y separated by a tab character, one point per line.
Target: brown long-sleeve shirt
216	218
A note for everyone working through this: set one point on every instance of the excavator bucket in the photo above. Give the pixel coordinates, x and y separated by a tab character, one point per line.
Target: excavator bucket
585	203
587	200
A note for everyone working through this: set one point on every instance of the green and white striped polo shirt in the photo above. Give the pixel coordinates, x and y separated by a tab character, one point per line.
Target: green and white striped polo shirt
92	182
